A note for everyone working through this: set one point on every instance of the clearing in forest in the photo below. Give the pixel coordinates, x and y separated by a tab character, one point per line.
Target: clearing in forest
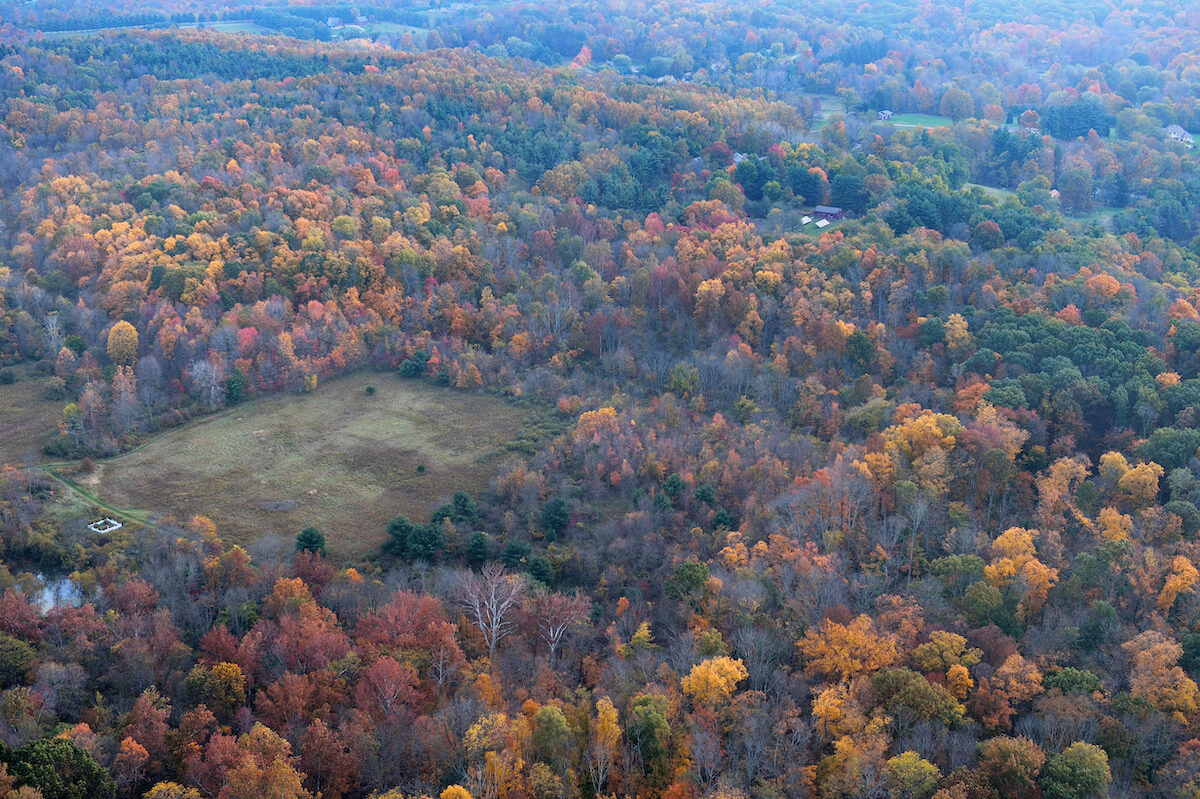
338	459
27	419
920	121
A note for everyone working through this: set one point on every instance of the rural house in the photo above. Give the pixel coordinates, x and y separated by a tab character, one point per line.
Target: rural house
1177	133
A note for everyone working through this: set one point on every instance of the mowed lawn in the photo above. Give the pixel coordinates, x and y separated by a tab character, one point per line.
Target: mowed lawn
920	120
337	459
27	419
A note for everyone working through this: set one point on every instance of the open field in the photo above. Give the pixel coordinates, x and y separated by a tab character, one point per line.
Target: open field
830	104
225	26
240	26
337	459
27	419
1102	216
810	231
230	26
920	120
396	27
999	194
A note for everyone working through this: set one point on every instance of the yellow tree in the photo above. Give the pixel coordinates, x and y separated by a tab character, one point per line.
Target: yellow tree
490	745
957	336
959	682
1114	525
1113	466
909	776
1181	579
943	650
919	446
123	343
856	766
604	738
713	681
1139	485
1015	563
842	651
912	437
1157	678
265	770
1020	680
172	790
496	776
1056	489
842	708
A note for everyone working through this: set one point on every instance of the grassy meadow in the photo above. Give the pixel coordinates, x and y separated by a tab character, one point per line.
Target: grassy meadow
920	120
27	419
338	459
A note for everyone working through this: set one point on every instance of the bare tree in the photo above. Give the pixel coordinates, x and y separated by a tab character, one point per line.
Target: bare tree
553	615
150	383
208	379
491	599
761	652
54	334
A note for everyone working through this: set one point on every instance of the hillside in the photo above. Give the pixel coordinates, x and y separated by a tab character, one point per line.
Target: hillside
488	422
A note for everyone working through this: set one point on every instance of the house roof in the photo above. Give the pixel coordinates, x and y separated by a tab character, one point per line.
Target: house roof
1176	130
827	209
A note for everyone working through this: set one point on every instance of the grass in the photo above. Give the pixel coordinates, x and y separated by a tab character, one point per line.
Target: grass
920	120
78	497
338	459
1102	215
830	104
229	26
810	230
232	26
396	27
999	194
27	419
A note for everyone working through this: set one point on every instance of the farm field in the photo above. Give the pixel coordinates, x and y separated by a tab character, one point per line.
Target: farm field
337	459
27	420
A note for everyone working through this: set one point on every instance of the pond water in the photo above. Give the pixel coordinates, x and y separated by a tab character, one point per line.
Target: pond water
57	591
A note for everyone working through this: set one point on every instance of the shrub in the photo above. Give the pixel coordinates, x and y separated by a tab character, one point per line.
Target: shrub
542	570
16	659
515	552
56	389
312	540
555	516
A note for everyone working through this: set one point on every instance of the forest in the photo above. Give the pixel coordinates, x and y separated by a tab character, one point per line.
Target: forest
900	503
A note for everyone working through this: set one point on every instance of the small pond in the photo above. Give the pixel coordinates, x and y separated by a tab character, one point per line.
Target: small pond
57	590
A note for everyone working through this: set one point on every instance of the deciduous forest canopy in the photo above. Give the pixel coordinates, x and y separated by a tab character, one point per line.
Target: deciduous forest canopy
827	374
